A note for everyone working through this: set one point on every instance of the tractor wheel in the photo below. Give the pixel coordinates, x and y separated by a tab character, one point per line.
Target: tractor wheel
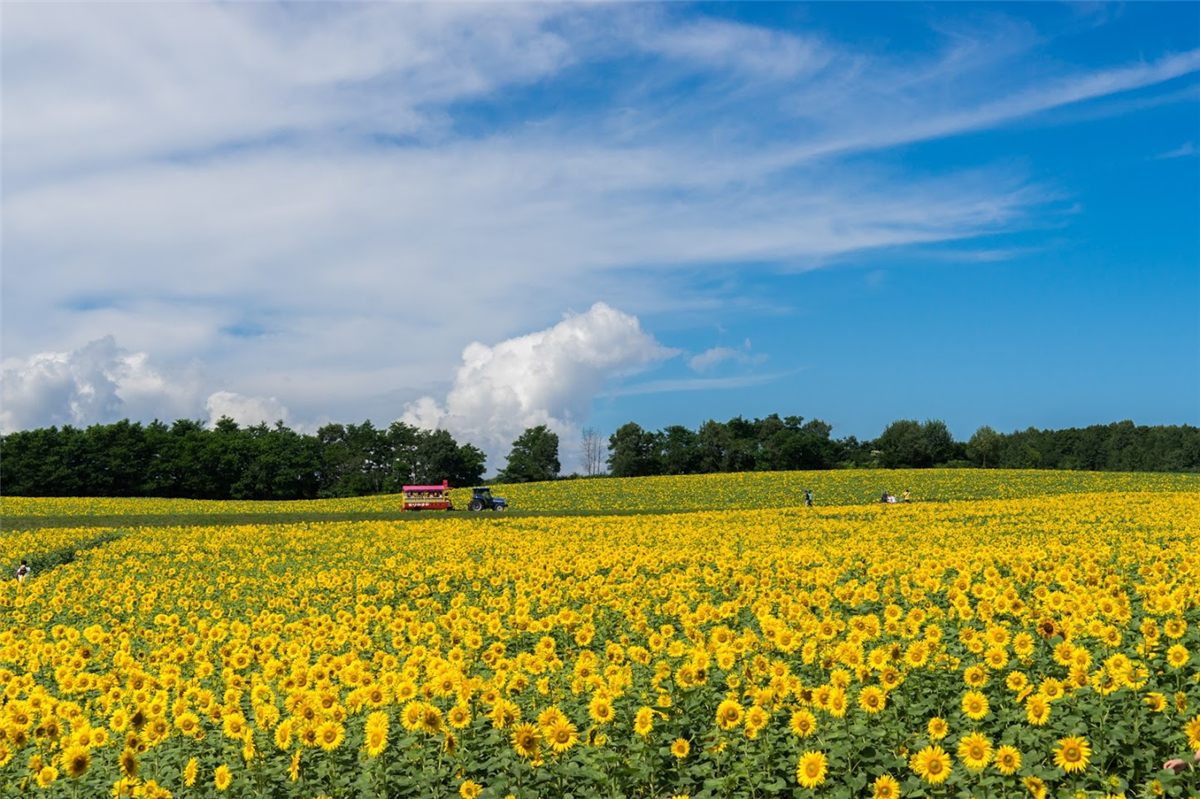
476	504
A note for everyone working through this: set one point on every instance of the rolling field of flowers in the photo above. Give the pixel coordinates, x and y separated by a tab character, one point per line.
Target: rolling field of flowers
1027	634
746	491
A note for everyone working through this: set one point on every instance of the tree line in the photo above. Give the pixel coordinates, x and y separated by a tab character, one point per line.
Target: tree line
189	460
790	443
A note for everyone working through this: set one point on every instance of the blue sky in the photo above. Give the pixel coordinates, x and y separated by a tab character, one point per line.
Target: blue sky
485	217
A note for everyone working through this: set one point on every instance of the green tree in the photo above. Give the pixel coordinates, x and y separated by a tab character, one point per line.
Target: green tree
357	459
402	441
633	452
715	445
900	444
937	443
534	457
911	444
438	457
984	447
281	464
680	453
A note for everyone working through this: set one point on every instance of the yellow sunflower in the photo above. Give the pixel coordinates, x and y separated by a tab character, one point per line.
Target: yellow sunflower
810	771
222	778
431	720
76	761
872	699
974	705
886	787
526	740
1037	710
756	719
1008	760
803	723
1035	786
376	740
600	710
1072	754
1192	731
931	764
729	714
458	716
561	734
330	735
46	775
975	751
643	722
937	728
975	676
1175	628
129	764
504	713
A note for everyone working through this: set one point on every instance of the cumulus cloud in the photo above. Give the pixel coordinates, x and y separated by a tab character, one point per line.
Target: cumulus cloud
711	358
549	377
102	382
99	382
246	411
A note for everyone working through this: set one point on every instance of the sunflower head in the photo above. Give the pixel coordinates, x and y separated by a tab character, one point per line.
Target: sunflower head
526	740
1072	754
811	770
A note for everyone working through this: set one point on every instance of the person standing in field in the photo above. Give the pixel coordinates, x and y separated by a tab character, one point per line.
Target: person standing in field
808	498
22	570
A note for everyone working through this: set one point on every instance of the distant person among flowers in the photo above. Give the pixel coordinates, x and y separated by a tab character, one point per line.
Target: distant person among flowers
808	502
22	570
1179	765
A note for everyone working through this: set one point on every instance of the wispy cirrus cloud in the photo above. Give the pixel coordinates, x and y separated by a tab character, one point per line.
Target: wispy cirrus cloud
377	185
670	386
1182	151
102	86
714	356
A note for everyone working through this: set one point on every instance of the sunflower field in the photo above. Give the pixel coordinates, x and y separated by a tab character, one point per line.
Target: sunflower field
1011	635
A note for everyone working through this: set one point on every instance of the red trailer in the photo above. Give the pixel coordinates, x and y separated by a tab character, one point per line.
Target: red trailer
428	497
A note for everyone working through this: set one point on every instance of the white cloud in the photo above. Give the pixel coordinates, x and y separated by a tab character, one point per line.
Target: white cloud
711	358
97	383
1185	149
745	50
100	84
672	386
324	203
102	382
549	377
246	411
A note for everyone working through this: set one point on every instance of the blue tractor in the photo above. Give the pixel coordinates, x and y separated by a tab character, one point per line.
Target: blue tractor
482	499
